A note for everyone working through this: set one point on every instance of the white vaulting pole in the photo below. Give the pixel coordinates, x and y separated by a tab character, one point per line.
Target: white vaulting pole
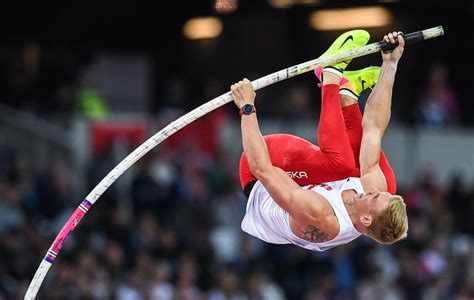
193	115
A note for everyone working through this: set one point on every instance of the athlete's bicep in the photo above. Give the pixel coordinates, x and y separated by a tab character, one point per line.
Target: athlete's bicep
279	185
370	157
370	150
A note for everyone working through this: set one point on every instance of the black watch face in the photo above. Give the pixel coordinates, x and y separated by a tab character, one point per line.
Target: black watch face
247	109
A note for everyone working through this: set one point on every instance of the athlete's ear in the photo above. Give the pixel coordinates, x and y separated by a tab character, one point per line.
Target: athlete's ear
366	220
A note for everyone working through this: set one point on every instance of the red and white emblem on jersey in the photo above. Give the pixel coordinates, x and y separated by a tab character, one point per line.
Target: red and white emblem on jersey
326	187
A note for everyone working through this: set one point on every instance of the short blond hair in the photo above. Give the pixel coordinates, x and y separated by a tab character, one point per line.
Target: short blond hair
391	224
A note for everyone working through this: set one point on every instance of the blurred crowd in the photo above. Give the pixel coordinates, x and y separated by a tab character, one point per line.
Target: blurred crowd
174	233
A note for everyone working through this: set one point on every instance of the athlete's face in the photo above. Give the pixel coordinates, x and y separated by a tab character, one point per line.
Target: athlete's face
372	202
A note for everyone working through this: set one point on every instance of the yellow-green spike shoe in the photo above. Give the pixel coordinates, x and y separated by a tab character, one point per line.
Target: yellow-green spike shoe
349	40
359	80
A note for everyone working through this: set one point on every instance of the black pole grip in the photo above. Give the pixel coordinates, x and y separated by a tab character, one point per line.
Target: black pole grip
409	39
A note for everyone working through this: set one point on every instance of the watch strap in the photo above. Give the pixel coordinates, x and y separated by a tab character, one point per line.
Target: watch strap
242	112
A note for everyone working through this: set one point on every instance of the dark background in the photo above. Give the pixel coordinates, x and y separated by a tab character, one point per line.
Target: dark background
257	40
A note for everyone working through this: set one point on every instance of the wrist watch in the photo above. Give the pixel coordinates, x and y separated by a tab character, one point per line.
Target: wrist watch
247	109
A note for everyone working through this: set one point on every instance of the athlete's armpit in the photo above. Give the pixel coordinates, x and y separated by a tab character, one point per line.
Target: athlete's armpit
314	234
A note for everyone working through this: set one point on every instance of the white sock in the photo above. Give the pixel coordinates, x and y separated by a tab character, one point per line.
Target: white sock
333	70
349	93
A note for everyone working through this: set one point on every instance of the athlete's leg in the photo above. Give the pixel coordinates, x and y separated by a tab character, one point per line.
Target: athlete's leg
356	82
290	153
353	119
305	162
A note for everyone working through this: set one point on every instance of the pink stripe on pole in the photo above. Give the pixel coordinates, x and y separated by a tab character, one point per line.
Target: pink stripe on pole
67	229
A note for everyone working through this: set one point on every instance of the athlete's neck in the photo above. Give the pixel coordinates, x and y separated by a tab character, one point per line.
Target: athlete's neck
348	200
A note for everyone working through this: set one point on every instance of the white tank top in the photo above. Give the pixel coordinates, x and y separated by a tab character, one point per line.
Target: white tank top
267	221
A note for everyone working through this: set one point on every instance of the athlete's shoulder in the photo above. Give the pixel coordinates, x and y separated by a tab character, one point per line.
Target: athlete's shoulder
374	179
314	204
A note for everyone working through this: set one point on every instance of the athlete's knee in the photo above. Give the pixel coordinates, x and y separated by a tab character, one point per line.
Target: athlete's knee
344	164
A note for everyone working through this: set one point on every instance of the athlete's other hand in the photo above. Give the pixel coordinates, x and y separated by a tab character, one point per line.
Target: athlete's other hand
395	54
243	93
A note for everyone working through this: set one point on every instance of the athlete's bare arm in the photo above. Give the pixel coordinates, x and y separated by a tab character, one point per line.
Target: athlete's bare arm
304	206
377	114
